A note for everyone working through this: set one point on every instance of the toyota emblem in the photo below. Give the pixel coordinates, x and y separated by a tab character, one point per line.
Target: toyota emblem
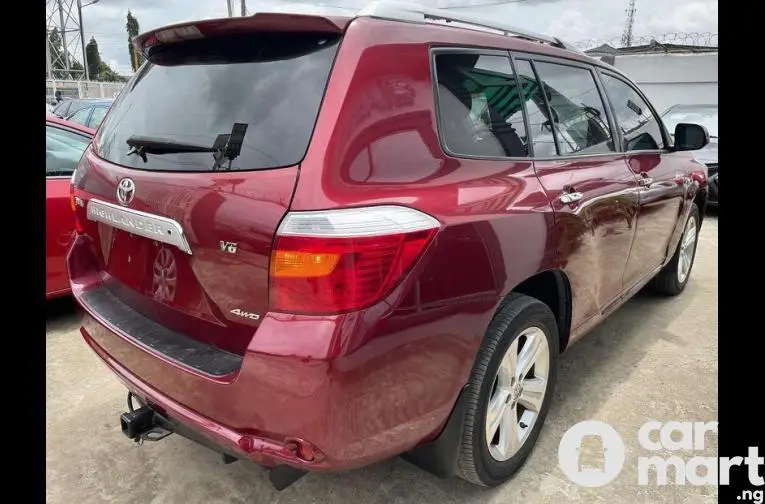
125	191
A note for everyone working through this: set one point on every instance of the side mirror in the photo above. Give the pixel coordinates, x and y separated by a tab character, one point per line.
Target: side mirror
690	137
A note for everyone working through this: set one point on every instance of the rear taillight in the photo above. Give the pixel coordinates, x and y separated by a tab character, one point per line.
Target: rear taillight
336	261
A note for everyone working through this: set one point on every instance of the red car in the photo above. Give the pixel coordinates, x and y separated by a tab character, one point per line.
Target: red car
317	242
64	144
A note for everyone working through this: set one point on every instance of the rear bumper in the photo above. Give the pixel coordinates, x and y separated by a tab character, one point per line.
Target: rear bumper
261	450
302	380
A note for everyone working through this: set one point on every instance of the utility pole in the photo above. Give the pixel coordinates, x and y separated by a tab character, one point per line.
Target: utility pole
230	8
82	41
627	35
244	7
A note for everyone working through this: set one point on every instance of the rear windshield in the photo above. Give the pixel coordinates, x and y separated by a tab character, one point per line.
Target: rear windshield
192	92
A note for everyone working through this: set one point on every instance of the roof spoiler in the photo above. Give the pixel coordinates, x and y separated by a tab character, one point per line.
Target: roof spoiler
262	22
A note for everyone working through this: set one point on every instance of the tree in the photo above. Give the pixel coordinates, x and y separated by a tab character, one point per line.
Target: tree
132	30
94	59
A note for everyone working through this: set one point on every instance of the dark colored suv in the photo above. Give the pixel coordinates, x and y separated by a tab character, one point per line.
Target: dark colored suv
317	242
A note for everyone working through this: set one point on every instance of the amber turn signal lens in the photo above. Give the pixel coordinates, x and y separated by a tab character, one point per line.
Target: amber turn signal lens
290	263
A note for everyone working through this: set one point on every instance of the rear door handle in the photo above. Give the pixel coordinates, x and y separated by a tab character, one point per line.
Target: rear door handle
644	180
570	197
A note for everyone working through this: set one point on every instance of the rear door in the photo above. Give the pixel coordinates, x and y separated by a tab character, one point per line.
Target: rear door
63	149
591	189
661	176
208	276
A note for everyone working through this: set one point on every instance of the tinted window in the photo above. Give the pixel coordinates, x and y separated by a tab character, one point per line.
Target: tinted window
542	140
479	107
80	117
193	92
640	128
96	117
62	108
63	150
579	115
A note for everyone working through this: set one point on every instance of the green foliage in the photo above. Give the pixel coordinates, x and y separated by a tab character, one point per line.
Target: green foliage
133	30
93	59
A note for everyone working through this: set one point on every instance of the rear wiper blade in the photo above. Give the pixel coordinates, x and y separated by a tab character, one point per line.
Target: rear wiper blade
227	146
143	145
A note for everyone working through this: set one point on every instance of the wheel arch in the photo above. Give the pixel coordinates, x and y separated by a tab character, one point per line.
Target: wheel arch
553	288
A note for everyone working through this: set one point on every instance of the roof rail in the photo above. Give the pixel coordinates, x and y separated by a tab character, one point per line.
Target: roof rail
412	12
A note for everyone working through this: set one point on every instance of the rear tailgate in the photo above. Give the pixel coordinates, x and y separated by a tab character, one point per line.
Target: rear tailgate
184	237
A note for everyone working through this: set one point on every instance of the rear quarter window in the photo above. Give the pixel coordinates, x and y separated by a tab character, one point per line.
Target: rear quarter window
192	92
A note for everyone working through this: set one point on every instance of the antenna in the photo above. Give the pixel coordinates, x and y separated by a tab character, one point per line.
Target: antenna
627	35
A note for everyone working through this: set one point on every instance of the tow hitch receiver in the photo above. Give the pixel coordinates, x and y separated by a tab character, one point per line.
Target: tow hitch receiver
143	424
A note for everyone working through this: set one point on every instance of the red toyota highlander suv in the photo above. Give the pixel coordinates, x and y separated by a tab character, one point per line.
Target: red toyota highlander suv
317	242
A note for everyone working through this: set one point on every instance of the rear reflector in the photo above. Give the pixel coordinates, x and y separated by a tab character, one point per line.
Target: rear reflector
73	201
336	261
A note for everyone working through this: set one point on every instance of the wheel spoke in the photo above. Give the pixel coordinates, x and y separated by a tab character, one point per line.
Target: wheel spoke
509	435
533	394
508	368
529	354
495	412
690	236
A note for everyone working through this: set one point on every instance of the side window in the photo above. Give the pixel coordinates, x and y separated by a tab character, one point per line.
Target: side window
81	116
641	130
96	117
579	115
479	107
540	131
62	108
63	150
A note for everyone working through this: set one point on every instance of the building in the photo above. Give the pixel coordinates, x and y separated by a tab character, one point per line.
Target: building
668	74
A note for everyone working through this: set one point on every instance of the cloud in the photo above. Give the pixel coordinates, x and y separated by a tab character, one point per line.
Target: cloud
691	17
571	25
571	20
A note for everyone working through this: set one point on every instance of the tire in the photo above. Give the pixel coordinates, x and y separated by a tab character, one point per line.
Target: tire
512	327
670	280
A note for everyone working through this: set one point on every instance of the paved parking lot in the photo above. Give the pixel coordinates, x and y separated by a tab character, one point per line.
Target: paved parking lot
656	358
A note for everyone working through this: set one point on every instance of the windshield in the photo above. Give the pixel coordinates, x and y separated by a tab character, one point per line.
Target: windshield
193	92
705	116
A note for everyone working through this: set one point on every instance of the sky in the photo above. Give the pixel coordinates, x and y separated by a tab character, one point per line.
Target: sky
570	20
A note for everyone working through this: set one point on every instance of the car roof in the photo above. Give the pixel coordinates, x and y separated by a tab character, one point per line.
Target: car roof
68	124
472	33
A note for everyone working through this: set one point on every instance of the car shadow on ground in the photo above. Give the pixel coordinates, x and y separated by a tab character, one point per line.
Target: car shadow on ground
61	314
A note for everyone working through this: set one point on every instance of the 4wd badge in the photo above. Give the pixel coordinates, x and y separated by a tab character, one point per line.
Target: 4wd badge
245	314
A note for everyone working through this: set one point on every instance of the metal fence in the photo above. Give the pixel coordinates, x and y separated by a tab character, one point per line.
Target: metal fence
83	89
